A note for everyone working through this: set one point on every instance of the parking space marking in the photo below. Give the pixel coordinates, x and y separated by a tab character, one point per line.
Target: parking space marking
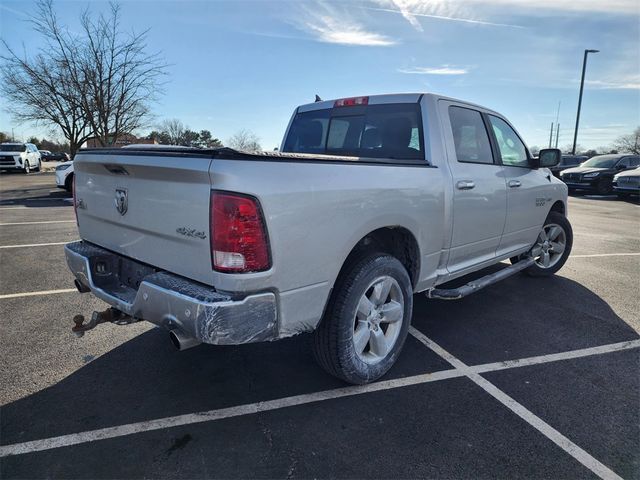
35	294
605	255
555	357
211	415
459	370
35	245
38	223
536	422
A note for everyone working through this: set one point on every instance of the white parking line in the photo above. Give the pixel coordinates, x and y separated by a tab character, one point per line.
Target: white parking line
536	422
35	245
605	255
460	370
211	415
38	223
35	294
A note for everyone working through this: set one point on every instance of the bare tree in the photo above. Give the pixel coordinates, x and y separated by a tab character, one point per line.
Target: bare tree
245	140
174	130
39	90
628	143
99	82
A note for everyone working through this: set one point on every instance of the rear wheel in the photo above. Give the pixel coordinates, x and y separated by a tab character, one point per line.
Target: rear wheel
552	247
367	320
68	183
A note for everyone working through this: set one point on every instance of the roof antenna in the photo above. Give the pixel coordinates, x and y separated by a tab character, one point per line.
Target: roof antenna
318	99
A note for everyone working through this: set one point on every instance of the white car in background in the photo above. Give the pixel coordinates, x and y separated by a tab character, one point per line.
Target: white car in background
19	156
64	175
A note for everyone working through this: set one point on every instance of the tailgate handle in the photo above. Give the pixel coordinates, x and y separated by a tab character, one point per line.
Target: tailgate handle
117	169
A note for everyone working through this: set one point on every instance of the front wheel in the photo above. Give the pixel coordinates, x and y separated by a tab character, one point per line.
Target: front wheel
604	186
27	168
552	247
367	320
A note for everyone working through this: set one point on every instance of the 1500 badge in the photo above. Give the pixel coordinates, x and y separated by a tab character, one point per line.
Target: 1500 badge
191	232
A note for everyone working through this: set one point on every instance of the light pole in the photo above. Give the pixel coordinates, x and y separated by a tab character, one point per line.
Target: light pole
584	66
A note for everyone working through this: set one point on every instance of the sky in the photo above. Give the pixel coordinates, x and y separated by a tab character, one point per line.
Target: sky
247	64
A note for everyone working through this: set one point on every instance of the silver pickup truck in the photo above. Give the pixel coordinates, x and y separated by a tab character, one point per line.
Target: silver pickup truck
369	201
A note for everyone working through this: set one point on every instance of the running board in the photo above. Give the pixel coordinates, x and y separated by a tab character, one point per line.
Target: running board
480	283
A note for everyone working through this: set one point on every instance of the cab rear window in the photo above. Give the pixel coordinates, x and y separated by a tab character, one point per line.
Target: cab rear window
391	131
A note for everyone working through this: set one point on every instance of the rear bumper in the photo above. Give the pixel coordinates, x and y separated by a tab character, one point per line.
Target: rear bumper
173	302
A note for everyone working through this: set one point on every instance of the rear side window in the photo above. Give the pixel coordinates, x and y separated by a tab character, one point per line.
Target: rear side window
380	131
470	136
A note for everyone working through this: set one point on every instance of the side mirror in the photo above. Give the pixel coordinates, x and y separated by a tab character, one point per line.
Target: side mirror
548	157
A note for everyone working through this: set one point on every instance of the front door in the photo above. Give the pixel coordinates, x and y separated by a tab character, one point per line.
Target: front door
479	192
527	203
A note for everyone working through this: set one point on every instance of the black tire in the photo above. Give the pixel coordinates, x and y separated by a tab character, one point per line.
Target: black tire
27	168
68	183
604	186
537	270
623	196
333	340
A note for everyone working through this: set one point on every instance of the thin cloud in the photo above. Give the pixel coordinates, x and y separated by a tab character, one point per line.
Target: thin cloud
434	9
442	70
623	85
333	30
328	25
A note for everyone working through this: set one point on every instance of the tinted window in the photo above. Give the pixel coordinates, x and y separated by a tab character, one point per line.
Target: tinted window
470	136
512	150
602	161
379	131
630	161
11	147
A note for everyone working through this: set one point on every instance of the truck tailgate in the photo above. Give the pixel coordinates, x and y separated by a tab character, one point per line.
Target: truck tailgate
151	207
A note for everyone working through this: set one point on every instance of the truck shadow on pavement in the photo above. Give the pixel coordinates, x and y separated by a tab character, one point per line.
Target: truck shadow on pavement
145	378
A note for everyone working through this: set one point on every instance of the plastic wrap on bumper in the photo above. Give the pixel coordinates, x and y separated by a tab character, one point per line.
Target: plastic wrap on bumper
174	302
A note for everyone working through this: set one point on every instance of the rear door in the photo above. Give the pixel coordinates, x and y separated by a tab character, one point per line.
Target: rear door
527	198
148	206
479	193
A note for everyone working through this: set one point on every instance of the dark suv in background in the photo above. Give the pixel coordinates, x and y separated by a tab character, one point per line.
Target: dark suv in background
596	174
568	161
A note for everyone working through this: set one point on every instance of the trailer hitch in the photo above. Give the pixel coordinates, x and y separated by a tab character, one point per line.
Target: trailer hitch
111	315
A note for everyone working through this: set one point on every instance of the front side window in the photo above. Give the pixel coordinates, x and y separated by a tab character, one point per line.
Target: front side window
376	131
512	150
470	136
630	161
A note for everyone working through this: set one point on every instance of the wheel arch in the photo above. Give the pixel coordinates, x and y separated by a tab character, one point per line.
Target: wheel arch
396	241
559	207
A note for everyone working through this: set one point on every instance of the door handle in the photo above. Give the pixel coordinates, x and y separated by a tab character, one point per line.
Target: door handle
514	183
465	185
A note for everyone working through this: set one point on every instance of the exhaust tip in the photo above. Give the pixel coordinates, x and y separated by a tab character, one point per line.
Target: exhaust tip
181	341
81	288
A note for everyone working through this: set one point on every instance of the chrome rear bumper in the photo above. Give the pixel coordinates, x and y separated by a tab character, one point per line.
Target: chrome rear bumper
171	301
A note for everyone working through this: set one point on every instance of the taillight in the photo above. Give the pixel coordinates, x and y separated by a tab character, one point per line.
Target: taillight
351	102
73	195
238	234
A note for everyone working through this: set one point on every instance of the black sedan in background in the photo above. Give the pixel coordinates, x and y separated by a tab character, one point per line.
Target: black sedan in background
567	161
55	156
596	174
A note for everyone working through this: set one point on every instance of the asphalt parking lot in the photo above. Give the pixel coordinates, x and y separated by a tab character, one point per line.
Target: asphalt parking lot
533	378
